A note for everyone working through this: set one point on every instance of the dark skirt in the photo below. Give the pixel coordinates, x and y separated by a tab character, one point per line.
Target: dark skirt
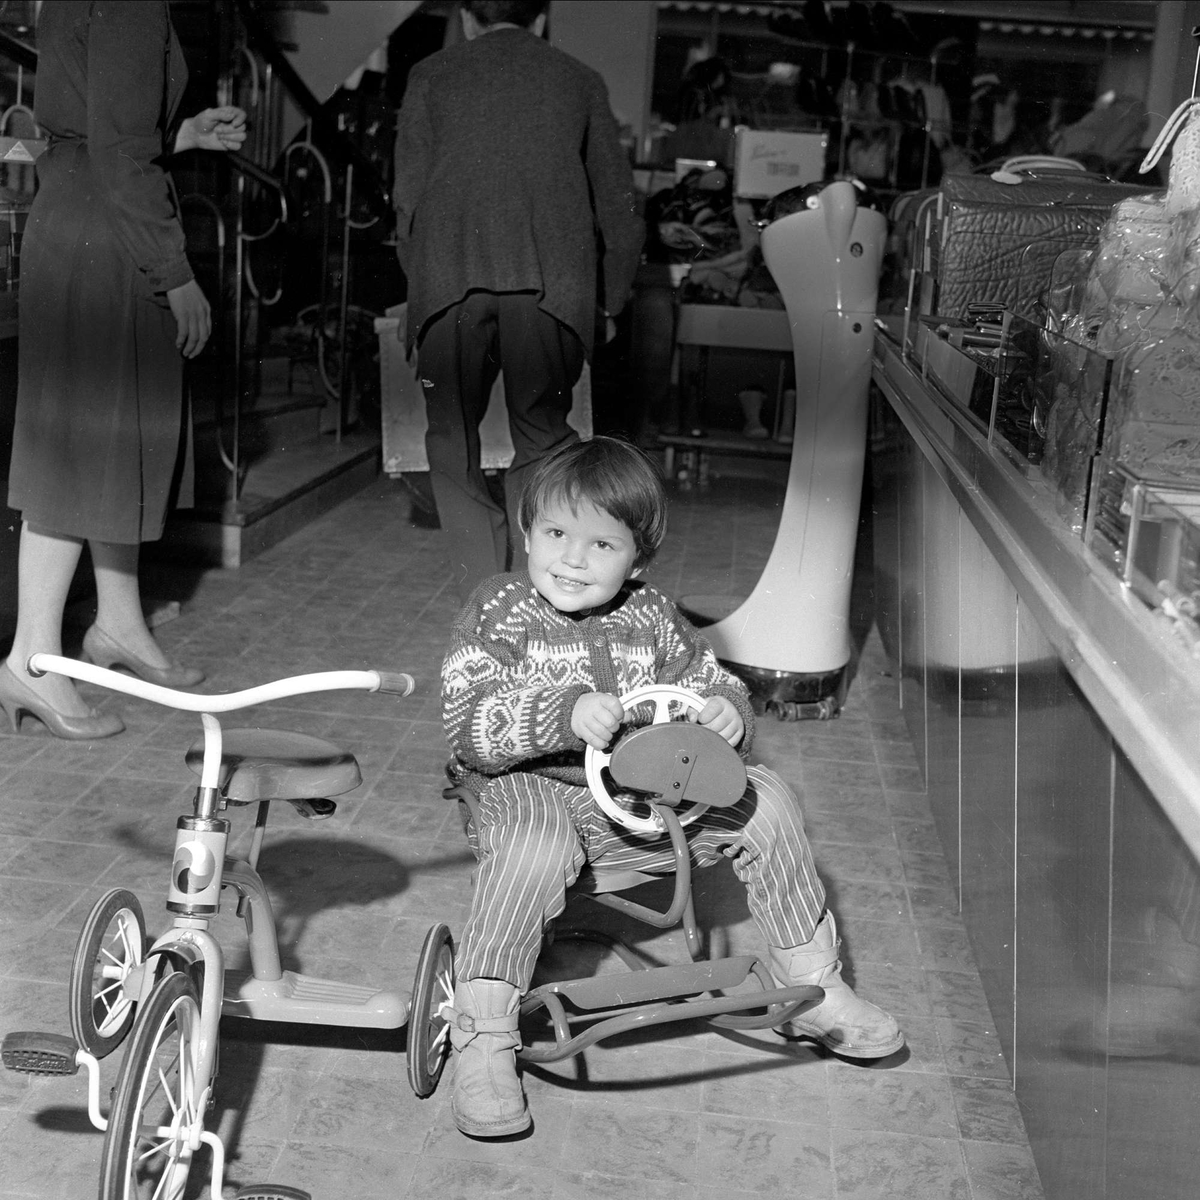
99	389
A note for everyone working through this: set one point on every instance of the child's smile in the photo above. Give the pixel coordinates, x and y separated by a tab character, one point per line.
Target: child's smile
578	559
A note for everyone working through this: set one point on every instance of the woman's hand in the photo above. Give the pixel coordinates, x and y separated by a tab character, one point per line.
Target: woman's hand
720	715
193	318
596	717
221	128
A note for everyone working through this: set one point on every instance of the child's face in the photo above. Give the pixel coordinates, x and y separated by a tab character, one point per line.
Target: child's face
579	560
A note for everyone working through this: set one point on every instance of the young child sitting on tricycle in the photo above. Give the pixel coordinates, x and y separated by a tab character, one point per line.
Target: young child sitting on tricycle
532	677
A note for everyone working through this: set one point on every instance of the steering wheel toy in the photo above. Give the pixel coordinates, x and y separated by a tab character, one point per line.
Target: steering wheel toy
672	762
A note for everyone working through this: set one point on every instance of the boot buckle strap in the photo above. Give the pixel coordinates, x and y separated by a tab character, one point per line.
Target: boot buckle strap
466	1023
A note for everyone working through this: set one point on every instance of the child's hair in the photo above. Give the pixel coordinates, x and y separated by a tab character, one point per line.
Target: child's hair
609	473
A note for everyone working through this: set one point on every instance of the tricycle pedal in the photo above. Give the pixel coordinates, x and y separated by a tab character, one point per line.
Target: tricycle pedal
270	1191
40	1053
314	809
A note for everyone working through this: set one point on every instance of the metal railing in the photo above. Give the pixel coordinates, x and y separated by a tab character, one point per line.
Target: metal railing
19	149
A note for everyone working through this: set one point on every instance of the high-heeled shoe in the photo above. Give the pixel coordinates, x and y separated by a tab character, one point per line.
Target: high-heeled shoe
17	697
105	651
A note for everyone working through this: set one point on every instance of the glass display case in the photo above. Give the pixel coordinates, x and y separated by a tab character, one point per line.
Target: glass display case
1149	535
1039	396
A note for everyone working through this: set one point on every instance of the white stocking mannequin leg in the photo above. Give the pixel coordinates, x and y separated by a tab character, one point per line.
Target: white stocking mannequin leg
794	627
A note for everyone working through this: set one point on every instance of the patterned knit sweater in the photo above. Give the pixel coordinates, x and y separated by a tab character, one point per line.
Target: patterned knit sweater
516	666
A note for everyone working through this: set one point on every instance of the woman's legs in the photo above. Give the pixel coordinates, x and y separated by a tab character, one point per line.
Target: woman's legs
119	601
45	568
46	565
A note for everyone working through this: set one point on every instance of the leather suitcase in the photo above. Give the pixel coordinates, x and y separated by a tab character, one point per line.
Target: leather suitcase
981	240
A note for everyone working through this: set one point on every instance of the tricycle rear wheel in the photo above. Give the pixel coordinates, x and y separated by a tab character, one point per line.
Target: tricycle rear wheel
428	1032
111	945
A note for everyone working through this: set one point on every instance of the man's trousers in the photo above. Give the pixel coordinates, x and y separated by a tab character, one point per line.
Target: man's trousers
459	356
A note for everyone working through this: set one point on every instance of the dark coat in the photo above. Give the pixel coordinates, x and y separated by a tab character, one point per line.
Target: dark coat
99	399
510	177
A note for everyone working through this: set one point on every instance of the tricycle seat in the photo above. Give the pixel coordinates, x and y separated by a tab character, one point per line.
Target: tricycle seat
277	764
597	881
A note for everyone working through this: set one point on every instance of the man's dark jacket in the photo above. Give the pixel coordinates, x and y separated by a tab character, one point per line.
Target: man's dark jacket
510	177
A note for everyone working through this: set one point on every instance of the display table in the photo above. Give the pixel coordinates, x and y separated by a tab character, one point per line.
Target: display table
690	452
1143	685
718	326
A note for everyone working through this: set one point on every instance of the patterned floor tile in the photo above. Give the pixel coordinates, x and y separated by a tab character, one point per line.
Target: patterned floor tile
681	1112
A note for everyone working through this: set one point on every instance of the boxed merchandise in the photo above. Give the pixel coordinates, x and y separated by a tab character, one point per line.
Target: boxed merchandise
1138	305
767	162
1150	536
1070	409
1135	301
1156	417
1141	302
1038	394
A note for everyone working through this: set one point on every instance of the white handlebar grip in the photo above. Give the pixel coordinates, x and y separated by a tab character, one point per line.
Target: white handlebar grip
396	683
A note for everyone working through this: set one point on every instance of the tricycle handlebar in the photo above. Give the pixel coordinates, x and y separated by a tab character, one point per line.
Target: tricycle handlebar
393	682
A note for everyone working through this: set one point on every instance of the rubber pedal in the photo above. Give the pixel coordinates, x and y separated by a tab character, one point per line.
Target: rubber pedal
270	1191
314	809
40	1053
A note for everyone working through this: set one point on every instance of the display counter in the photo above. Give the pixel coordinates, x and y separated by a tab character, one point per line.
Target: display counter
1125	659
1056	716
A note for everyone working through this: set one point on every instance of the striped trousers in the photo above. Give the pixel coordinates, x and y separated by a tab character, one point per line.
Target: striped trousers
535	834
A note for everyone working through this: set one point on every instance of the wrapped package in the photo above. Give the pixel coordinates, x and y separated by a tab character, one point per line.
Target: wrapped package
1155	401
1155	404
1139	305
1184	256
1131	266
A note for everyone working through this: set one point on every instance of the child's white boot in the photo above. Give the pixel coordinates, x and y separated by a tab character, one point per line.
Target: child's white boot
841	1022
488	1099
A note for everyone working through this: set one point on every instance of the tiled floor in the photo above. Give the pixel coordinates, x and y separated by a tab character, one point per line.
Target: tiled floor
673	1113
